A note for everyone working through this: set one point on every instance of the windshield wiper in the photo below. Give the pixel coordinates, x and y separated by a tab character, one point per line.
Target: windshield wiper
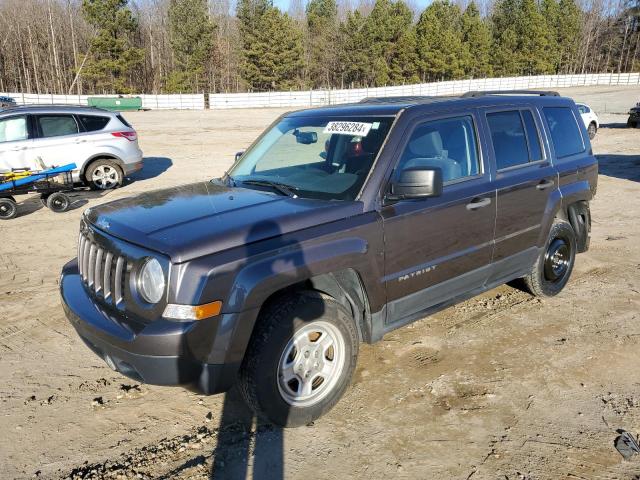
283	188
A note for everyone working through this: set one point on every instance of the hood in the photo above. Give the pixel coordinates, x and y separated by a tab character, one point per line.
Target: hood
193	220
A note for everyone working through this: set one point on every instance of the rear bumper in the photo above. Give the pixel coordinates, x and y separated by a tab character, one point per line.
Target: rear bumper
130	168
203	356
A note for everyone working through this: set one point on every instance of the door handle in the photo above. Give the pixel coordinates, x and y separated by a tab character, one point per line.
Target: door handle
545	184
478	203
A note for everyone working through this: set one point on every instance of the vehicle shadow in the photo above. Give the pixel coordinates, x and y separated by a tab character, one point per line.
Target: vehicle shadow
80	196
620	166
153	167
614	125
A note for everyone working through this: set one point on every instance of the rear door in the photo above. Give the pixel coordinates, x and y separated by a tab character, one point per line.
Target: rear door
438	248
525	178
14	142
58	141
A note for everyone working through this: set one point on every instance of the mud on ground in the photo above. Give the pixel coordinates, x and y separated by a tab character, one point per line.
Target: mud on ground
501	386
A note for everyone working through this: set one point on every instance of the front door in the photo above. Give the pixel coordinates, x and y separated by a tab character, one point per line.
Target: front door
14	143
441	247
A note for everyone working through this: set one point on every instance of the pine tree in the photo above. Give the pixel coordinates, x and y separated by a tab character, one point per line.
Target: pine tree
353	60
533	46
191	36
112	57
440	47
322	30
504	21
550	13
387	29
275	58
476	36
569	33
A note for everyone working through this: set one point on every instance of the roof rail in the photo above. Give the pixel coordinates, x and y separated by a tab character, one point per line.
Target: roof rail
397	99
482	93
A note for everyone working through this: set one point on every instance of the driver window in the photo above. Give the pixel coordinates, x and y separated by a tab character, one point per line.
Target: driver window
448	144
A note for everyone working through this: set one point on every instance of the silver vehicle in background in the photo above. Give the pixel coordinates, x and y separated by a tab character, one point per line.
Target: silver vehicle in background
102	144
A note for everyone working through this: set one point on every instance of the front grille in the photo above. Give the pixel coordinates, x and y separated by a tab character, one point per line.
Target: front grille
101	271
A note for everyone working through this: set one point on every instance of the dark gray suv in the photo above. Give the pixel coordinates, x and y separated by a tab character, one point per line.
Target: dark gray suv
336	226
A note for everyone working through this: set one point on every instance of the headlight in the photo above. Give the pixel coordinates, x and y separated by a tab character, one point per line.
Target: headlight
151	281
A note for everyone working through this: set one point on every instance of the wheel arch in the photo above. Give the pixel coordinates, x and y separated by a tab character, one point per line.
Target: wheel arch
344	286
100	156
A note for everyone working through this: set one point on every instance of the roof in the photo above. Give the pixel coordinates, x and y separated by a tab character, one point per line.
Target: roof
390	106
52	109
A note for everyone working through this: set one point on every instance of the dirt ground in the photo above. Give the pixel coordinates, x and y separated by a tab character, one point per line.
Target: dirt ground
501	386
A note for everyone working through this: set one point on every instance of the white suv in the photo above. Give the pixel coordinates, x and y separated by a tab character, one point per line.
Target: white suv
589	118
102	144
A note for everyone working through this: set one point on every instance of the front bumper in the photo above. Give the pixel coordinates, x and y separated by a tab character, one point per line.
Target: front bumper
203	356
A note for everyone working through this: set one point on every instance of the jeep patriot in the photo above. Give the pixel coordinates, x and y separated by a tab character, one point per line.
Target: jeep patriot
336	226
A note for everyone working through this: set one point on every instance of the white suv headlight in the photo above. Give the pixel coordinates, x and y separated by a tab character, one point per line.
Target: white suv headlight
151	282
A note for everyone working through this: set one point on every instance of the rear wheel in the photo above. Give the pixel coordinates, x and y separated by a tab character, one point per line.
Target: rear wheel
8	208
104	174
592	130
58	202
554	265
300	360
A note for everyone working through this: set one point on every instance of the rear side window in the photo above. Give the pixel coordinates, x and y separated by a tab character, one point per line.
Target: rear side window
124	122
509	139
93	123
57	125
13	129
565	134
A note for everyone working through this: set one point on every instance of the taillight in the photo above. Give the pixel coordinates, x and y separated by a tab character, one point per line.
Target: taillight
131	136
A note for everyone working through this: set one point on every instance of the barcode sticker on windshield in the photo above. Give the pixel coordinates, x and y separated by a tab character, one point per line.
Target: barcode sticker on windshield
348	128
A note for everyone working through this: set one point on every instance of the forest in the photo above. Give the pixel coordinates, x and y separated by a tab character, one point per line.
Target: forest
189	46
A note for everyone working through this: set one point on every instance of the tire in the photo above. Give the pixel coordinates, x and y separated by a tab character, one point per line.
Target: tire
631	123
553	267
104	174
58	202
8	208
272	358
592	130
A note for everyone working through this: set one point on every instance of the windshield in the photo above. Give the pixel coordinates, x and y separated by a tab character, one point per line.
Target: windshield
316	157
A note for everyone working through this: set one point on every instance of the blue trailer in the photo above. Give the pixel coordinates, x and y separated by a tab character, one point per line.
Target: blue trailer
52	185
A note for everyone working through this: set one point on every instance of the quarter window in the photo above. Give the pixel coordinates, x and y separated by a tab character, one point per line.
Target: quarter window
564	130
13	129
93	123
533	138
448	144
57	125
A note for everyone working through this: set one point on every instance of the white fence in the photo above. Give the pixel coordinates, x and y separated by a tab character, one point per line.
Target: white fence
314	98
151	102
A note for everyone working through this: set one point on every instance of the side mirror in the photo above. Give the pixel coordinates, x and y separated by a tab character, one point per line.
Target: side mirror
417	183
239	154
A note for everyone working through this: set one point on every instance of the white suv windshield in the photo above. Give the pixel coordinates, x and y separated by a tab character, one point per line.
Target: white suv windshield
317	157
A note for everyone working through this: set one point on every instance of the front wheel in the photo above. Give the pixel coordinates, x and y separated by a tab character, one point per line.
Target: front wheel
554	265
300	360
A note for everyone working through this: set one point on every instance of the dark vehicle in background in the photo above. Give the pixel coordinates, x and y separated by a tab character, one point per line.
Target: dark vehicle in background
7	102
336	226
634	116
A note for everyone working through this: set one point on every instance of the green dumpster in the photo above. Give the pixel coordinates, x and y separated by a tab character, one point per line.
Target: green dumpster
116	103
